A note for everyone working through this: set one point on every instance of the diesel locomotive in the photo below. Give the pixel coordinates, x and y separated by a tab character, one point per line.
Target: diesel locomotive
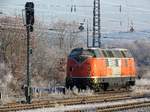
100	69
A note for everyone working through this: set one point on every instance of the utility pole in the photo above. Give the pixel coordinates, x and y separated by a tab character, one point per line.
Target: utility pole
29	11
96	24
87	34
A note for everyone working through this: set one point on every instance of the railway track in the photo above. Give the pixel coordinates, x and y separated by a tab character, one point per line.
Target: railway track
120	107
77	96
124	106
71	101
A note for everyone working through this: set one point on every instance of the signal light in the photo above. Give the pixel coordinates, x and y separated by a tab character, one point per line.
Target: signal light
29	11
81	27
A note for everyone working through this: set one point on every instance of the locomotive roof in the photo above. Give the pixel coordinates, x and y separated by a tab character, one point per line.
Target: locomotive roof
102	52
122	49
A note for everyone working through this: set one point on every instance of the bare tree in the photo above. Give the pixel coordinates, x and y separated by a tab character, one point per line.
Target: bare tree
50	54
50	50
12	43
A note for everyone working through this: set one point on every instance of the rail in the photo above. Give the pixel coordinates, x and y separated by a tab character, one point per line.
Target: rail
70	101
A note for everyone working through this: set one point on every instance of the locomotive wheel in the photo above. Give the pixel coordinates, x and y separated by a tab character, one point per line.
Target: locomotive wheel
128	86
104	86
132	83
96	87
69	83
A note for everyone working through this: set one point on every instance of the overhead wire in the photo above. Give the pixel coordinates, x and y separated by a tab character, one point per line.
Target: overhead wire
76	6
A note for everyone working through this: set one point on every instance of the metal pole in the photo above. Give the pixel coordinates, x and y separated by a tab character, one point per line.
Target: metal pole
93	43
87	34
28	89
99	23
29	11
96	24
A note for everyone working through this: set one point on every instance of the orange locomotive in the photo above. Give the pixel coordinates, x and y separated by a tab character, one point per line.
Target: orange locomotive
98	68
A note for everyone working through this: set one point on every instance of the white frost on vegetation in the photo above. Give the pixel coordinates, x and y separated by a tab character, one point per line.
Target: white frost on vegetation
59	95
147	74
6	78
5	75
143	82
86	92
142	86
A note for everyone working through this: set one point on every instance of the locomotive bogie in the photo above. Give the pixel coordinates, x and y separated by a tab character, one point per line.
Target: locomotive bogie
101	83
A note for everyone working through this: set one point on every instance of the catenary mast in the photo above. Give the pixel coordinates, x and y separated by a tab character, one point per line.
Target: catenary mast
96	24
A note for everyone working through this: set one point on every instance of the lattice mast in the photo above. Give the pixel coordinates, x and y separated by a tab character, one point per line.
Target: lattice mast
96	24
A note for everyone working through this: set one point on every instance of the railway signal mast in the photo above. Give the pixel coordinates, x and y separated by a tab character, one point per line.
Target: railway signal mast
29	13
96	24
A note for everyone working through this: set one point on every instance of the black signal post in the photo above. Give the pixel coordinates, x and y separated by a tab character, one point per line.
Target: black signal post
29	13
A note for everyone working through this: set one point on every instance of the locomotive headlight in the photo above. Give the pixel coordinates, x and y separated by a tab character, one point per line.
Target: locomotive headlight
89	67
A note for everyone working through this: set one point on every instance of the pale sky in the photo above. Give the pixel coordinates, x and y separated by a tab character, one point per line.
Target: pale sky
136	12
